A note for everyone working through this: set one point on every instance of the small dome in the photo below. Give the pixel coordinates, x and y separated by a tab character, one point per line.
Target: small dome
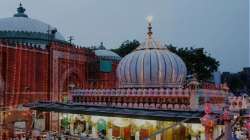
102	53
23	27
151	65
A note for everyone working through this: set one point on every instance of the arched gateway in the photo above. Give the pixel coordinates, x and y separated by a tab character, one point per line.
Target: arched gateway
71	79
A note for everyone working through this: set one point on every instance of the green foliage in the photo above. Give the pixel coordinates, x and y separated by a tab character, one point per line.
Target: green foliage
126	47
197	60
65	122
235	83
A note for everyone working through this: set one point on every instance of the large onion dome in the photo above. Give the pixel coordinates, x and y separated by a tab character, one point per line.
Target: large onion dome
21	28
151	65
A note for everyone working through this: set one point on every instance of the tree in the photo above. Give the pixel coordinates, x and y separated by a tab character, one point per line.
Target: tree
197	60
236	83
126	47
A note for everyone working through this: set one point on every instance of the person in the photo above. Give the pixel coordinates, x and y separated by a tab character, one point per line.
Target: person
48	137
189	137
198	137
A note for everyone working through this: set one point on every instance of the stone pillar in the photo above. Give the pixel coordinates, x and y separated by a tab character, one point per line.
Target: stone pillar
94	133
227	123
137	135
109	134
158	137
208	122
109	130
193	86
202	136
227	117
193	99
87	128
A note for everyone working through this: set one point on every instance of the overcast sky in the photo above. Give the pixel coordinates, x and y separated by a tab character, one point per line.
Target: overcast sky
220	26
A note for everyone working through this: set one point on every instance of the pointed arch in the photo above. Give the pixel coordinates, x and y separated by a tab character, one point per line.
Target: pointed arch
70	77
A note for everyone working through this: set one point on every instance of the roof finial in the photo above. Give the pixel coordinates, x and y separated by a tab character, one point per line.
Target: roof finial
20	3
20	10
71	38
149	19
102	47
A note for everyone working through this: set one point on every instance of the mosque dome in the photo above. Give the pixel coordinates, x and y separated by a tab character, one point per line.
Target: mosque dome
24	29
151	65
103	53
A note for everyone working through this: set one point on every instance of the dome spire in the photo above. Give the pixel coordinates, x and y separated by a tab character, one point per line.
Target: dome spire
101	47
149	19
20	11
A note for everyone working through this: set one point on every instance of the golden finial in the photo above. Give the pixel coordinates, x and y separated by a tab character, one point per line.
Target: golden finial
149	19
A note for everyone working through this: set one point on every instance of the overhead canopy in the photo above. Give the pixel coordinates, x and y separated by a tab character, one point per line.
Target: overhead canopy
150	114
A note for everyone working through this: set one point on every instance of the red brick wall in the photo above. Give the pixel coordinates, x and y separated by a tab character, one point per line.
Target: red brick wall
75	73
24	69
101	80
109	80
24	72
68	66
30	74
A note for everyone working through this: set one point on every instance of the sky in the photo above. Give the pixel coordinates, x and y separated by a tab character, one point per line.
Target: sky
219	26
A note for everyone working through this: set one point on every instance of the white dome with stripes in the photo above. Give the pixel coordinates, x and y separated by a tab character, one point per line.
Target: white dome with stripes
151	65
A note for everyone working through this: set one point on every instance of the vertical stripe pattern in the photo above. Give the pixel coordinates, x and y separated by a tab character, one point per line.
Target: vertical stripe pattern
151	65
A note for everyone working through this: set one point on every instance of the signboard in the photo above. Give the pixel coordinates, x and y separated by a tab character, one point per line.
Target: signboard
105	66
19	127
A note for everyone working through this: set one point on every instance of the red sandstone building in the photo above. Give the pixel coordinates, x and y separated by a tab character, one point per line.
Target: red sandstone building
36	63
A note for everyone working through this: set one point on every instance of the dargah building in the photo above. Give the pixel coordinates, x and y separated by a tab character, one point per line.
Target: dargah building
37	63
151	100
48	84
